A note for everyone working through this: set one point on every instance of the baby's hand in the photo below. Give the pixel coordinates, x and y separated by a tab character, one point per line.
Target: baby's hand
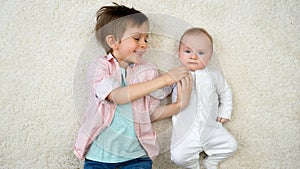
222	120
184	91
175	75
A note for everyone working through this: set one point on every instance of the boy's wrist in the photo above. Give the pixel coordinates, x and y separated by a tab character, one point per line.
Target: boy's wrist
178	106
167	79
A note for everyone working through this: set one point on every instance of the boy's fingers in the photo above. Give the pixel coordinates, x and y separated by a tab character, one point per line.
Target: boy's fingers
183	71
179	90
178	73
183	83
179	85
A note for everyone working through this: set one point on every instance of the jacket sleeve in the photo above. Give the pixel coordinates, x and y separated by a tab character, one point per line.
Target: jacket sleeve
154	97
99	75
161	93
174	93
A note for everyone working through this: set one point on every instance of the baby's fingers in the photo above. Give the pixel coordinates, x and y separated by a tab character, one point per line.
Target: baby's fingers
222	120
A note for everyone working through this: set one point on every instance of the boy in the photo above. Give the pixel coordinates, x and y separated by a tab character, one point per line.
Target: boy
116	130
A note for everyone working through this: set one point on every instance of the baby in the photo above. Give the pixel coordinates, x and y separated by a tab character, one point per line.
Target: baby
198	127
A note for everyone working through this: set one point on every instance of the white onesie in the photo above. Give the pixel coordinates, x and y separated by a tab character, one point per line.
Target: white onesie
195	128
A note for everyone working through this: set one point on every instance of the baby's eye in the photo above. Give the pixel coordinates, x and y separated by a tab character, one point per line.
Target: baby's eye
135	38
187	51
200	53
146	40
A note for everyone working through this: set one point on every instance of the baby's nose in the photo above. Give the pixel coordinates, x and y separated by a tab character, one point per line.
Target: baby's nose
194	55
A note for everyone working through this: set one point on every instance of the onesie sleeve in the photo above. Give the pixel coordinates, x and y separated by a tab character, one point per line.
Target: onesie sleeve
225	96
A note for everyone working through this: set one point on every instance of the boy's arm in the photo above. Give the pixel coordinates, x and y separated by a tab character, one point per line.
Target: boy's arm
123	95
165	111
183	98
161	93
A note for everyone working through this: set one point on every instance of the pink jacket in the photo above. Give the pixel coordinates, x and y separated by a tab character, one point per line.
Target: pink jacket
105	72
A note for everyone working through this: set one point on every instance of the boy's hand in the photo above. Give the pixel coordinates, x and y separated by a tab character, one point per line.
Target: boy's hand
184	91
222	120
175	75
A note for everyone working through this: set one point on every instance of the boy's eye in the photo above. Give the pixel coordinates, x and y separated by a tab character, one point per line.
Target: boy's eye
138	39
187	51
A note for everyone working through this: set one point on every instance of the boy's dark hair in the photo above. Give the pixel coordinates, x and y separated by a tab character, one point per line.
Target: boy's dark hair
113	20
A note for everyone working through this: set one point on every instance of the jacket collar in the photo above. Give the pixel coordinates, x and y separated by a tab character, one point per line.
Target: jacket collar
110	56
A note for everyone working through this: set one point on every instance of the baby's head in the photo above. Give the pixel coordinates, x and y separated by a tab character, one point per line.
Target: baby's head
195	48
115	20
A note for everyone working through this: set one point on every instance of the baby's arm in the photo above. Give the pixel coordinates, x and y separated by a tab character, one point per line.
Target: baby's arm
183	98
123	95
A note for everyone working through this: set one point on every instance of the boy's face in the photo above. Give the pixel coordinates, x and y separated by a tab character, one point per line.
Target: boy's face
132	45
195	51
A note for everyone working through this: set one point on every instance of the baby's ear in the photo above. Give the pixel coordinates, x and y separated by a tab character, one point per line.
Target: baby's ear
112	41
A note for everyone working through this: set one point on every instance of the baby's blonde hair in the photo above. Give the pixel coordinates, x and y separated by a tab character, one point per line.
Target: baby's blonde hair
197	30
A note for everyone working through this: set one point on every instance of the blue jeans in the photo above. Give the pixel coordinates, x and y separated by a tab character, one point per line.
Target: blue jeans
138	163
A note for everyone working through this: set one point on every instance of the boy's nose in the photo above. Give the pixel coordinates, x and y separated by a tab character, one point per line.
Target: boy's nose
143	44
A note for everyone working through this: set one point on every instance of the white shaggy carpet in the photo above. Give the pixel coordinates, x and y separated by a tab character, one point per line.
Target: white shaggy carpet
45	45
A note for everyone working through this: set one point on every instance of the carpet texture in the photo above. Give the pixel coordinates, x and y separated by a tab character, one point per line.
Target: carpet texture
45	47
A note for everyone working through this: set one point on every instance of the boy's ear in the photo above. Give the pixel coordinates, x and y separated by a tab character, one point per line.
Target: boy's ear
112	41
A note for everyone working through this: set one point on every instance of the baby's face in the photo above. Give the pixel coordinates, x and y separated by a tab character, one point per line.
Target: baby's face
195	51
